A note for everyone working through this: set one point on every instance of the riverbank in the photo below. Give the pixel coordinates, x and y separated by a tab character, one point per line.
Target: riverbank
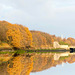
32	51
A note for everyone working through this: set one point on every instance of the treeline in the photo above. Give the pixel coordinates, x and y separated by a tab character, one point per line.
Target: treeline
45	40
16	35
42	40
20	37
69	41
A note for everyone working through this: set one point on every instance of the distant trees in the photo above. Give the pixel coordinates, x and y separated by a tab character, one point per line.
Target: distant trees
16	35
45	40
20	37
69	41
41	39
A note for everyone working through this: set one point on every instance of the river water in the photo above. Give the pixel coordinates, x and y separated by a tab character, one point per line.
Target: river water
52	63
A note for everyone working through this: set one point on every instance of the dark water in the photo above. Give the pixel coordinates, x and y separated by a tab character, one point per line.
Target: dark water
38	64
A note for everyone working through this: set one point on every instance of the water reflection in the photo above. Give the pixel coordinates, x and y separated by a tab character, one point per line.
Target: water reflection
19	65
34	62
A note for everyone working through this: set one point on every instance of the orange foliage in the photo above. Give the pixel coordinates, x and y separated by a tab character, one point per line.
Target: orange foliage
16	35
41	39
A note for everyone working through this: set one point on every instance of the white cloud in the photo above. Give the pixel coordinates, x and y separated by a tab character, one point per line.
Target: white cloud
49	14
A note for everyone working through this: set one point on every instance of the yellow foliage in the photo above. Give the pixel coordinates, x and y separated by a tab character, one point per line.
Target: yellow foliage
16	35
16	68
20	66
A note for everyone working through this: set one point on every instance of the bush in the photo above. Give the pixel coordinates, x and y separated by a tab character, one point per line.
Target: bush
63	43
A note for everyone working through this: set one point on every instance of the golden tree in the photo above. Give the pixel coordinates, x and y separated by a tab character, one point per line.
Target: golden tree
16	35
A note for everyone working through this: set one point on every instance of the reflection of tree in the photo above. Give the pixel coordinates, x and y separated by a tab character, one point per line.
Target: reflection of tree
45	61
15	67
42	62
20	65
28	66
24	64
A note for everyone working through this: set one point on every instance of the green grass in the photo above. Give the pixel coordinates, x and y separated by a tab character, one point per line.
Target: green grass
20	51
6	52
16	51
63	43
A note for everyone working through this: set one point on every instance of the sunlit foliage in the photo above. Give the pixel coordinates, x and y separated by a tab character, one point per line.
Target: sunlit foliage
16	35
41	39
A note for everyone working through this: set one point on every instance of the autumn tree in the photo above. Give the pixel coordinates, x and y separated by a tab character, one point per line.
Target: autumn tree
41	39
16	35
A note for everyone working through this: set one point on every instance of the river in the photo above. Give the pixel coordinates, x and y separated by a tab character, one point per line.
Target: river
38	64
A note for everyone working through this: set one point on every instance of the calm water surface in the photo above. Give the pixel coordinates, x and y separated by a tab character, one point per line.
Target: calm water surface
38	64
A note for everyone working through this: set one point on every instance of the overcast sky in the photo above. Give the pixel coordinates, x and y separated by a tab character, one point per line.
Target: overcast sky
51	16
